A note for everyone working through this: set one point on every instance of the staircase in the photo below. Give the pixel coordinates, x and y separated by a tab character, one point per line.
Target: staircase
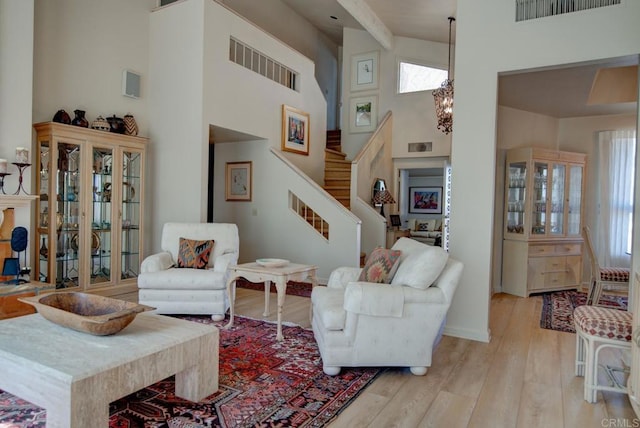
337	182
337	170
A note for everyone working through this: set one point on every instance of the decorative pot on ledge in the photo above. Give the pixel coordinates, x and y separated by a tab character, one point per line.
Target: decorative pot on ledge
100	124
130	125
80	120
117	124
62	116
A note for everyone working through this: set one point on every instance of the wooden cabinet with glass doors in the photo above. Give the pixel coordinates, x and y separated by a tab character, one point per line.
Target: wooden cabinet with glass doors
90	209
542	247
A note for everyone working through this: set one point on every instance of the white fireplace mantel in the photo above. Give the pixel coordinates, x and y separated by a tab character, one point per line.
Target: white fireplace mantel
14	201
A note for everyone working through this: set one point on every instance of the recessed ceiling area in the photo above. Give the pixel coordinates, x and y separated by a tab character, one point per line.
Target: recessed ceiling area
560	92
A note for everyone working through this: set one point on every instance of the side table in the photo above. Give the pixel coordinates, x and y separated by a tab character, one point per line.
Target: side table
10	307
254	272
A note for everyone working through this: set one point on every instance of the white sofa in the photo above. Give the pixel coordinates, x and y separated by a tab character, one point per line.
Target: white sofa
427	231
361	324
173	290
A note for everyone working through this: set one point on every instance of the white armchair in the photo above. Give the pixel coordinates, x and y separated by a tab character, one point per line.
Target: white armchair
173	290
361	324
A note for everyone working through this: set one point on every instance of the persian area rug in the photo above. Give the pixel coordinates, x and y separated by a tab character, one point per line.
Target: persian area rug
262	383
293	288
557	308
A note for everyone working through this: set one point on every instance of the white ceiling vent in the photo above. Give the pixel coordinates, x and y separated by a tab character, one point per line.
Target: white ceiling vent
532	9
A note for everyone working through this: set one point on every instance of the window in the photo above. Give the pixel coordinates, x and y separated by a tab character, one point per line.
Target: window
616	164
414	77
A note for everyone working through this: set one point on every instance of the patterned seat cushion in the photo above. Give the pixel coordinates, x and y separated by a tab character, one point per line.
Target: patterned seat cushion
614	274
603	322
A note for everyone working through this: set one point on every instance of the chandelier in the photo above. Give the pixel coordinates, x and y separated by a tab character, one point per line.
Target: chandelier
443	96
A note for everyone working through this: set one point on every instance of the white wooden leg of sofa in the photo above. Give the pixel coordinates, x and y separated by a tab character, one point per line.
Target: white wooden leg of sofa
419	371
217	317
331	370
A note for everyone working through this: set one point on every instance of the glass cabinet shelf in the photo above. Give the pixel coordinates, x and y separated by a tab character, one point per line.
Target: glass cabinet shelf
90	209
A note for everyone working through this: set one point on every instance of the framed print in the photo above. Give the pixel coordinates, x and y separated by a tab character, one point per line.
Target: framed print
425	200
395	220
363	113
295	130
364	71
238	181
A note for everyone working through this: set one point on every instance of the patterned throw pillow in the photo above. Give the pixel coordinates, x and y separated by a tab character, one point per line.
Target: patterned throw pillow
423	227
381	265
194	254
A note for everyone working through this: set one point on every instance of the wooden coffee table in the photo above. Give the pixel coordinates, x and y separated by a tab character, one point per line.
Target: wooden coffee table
254	272
75	375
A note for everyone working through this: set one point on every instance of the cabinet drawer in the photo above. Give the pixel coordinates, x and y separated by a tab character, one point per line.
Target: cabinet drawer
541	250
555	264
554	249
555	279
568	248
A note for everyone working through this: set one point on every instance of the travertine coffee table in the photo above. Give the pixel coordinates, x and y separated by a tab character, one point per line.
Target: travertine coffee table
254	272
75	375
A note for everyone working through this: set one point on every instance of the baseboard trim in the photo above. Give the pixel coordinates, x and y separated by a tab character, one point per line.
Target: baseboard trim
465	333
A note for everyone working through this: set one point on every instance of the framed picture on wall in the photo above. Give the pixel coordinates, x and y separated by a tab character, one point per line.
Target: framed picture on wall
295	130
364	71
363	114
238	181
425	200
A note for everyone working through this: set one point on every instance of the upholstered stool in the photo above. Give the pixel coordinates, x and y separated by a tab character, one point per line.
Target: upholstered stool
598	328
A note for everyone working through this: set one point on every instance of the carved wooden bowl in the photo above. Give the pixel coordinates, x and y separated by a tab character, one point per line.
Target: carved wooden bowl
88	313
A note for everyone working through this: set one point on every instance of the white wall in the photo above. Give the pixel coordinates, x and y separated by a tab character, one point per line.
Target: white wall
302	36
81	49
488	42
190	69
266	224
413	114
16	71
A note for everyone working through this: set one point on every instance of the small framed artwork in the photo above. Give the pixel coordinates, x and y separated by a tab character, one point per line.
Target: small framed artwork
425	200
295	130
364	71
363	113
238	181
395	220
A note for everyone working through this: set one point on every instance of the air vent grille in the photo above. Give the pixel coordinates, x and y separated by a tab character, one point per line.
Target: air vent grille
256	61
421	147
532	9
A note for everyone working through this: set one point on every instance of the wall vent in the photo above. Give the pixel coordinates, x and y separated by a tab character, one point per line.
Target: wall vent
532	9
256	61
421	147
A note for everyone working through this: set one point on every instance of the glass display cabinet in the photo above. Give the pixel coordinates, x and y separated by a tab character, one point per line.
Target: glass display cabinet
542	247
90	208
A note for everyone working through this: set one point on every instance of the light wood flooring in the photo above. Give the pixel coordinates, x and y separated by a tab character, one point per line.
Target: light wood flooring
523	378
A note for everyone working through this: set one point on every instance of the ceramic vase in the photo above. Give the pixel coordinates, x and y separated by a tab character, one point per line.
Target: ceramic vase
117	124
80	120
130	125
44	251
62	116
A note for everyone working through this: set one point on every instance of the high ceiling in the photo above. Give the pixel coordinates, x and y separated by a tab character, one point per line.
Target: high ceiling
418	19
560	92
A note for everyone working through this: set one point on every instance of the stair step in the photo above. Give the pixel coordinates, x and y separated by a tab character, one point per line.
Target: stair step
340	182
334	154
337	174
337	163
337	191
344	200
